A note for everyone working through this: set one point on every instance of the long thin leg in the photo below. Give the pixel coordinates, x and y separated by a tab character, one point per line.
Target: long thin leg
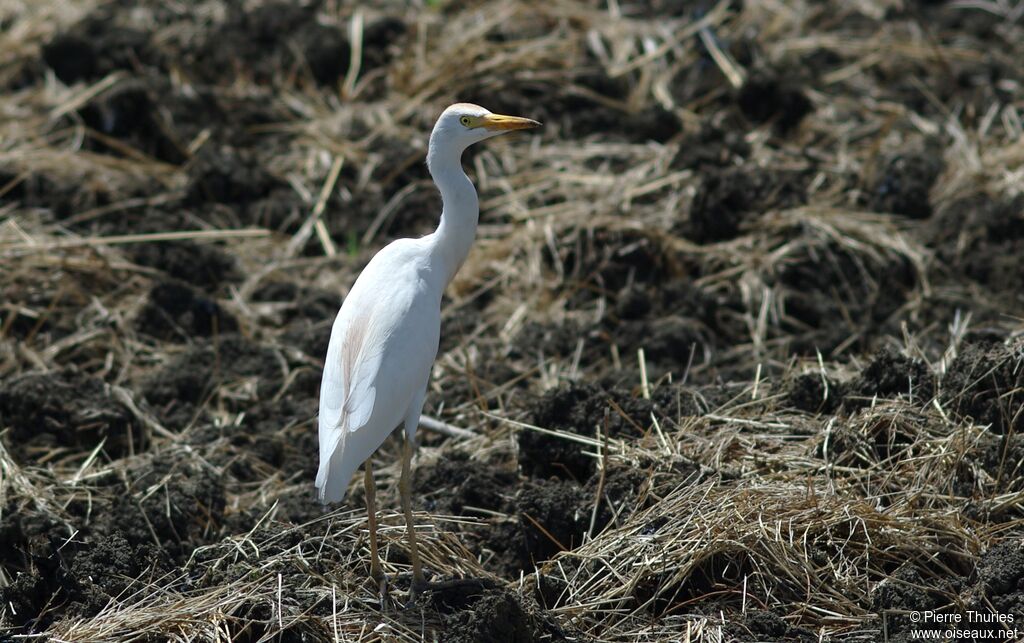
371	512
403	486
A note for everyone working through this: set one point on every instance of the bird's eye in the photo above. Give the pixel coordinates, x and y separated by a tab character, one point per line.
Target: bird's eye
465	120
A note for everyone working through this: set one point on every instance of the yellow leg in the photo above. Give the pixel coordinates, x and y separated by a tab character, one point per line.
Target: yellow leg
371	512
403	486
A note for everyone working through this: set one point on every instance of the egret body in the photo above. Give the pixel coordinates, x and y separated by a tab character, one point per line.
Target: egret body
385	337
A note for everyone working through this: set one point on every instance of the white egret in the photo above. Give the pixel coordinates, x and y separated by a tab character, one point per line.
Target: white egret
385	336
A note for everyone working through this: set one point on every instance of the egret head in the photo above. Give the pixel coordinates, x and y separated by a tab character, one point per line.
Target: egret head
463	124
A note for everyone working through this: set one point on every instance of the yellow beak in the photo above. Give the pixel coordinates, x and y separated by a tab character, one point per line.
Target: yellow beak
500	122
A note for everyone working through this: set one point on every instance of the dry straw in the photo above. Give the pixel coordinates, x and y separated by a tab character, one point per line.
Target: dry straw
752	505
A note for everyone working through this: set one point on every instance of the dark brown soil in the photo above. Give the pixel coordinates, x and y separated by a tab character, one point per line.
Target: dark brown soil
995	587
551	515
891	374
555	496
986	383
176	311
205	267
979	237
183	386
814	393
902	184
759	625
70	412
727	198
497	616
774	97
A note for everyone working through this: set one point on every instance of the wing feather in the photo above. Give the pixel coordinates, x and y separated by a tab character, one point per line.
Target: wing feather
382	346
362	364
347	396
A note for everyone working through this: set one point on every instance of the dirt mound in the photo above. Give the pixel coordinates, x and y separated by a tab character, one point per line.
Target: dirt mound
277	430
32	539
107	567
456	485
903	182
236	177
206	267
115	552
592	102
306	314
977	237
891	374
906	591
181	502
583	410
760	625
825	282
993	589
131	114
498	616
552	513
68	412
814	393
651	297
549	511
986	384
271	42
551	519
727	198
98	46
713	146
769	96
176	311
1001	580
179	390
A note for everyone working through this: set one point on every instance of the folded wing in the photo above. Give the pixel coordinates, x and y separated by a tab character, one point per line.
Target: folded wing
382	347
347	397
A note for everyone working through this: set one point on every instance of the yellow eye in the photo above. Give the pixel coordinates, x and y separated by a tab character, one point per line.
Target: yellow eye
465	120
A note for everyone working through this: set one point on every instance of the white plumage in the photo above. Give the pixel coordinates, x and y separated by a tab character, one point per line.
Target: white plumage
382	346
385	337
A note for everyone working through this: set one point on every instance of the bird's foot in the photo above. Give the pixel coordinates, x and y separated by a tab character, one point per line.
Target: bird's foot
380	582
417	586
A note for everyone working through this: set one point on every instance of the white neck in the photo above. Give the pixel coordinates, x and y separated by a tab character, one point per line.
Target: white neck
460	212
